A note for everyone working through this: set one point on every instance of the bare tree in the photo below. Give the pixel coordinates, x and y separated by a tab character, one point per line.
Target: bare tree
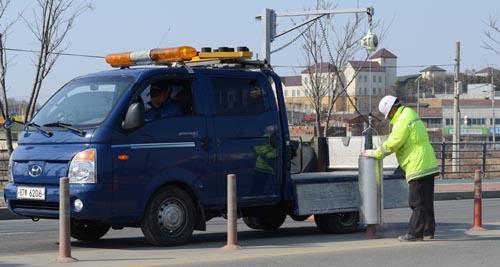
4	103
492	33
319	75
50	24
329	48
346	45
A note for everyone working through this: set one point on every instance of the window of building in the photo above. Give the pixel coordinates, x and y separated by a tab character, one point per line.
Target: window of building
365	91
374	91
449	121
365	78
374	79
293	92
432	121
380	78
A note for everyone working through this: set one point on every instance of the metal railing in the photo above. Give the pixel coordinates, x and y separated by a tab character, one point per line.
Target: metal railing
4	164
470	156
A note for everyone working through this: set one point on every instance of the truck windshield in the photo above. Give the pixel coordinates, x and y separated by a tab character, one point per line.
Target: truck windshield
84	102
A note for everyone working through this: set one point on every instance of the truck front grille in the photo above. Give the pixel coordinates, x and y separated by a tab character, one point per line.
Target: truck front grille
28	204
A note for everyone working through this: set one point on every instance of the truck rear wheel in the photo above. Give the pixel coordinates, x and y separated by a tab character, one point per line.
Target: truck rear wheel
337	223
300	218
88	230
169	218
268	223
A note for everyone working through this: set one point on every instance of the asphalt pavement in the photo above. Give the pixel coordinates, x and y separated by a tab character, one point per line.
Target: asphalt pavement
25	243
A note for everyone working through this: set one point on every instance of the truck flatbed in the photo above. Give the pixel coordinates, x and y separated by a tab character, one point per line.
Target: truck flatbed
337	191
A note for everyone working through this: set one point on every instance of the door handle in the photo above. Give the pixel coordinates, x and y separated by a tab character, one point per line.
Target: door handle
205	142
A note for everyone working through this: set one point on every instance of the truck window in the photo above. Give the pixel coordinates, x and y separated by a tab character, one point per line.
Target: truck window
168	98
84	102
238	96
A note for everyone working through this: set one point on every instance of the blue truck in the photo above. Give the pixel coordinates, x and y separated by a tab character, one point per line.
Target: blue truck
134	163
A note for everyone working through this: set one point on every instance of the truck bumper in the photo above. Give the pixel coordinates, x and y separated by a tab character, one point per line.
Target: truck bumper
96	202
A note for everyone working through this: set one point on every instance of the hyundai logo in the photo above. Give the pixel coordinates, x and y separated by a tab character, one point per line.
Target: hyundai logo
35	170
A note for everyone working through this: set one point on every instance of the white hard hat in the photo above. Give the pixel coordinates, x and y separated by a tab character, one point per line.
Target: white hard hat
385	104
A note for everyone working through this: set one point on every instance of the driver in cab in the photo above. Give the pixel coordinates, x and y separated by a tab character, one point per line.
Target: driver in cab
161	105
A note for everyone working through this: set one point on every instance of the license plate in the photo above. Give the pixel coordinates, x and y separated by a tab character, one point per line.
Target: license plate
37	193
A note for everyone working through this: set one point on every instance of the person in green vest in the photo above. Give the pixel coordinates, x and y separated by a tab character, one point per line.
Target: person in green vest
415	155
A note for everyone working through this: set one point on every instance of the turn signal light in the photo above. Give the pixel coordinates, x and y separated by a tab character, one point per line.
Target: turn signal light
86	155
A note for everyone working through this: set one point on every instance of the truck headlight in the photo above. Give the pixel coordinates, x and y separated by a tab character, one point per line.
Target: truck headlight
82	169
9	170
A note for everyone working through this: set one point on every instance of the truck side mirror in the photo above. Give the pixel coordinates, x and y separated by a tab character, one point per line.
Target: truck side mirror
8	123
135	117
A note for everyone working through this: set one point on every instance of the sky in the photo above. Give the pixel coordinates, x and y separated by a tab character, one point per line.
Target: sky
420	33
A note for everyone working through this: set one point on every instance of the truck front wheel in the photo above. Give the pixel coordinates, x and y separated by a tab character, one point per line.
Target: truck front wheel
169	218
88	230
337	223
268	223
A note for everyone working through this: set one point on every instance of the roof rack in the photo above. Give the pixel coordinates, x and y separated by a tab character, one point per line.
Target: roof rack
228	63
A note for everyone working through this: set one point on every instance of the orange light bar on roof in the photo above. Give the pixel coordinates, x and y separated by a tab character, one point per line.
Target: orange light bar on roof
157	55
119	59
181	53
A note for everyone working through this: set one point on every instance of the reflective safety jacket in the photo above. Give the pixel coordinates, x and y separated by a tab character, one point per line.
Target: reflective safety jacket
410	142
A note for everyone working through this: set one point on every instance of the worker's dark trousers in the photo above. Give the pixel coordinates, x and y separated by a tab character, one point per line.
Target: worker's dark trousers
421	201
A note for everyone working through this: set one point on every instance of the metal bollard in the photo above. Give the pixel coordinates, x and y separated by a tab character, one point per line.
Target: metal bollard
478	202
232	231
64	223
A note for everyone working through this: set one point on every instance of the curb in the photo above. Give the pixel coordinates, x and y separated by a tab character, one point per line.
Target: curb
464	195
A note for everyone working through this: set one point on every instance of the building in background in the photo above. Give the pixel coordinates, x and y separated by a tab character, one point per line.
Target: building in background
368	81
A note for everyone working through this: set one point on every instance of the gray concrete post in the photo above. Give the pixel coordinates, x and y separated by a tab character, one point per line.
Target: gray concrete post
64	223
232	216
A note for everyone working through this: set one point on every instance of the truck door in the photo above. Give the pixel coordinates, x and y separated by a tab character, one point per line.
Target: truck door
246	136
168	148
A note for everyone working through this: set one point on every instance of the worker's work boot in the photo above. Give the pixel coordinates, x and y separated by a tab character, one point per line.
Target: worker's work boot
428	237
409	238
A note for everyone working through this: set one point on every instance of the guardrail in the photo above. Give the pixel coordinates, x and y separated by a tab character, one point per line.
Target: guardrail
470	156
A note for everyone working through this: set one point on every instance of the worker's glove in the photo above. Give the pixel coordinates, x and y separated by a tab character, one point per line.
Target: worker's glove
370	153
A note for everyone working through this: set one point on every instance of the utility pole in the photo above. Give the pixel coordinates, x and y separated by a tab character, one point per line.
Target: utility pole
456	111
493	107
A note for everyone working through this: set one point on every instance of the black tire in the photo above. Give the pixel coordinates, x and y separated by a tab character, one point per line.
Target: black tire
250	223
88	230
337	223
268	223
300	218
169	218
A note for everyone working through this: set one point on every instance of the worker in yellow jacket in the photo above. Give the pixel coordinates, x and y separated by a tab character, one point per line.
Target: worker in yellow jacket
410	142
